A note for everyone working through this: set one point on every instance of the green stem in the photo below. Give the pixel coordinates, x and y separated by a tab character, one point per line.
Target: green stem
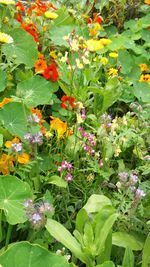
9	230
1	233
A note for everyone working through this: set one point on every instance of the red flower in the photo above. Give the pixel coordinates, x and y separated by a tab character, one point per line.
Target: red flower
69	99
31	29
18	17
51	73
97	19
20	6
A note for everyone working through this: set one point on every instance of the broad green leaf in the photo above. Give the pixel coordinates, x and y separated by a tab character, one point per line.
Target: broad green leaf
146	252
96	202
105	255
36	91
14	118
106	264
13	194
62	31
81	218
2	80
23	50
126	61
142	91
24	254
125	240
128	260
60	233
56	180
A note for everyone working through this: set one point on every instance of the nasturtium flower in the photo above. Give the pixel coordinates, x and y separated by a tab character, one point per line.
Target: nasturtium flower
60	127
6	164
15	140
23	158
145	78
105	41
50	15
104	60
147	2
65	100
143	67
94	45
7	2
113	54
5	101
5	38
51	72
53	54
40	65
112	72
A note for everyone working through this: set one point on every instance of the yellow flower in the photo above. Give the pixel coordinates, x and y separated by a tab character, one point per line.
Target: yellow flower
23	158
7	2
105	41
112	72
113	54
97	26
94	45
5	38
104	60
147	2
59	126
143	67
145	78
50	15
53	54
15	140
6	164
79	64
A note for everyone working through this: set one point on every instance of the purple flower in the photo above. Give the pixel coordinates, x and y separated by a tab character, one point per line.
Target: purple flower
33	119
83	114
139	194
68	177
44	207
16	147
133	179
28	203
123	176
35	218
34	138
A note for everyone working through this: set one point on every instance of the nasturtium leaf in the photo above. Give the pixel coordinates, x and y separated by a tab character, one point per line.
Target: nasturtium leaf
14	118
2	80
23	50
58	181
125	240
14	193
24	254
142	91
36	91
126	62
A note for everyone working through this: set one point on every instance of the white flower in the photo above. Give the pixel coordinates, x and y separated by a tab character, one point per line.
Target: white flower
5	38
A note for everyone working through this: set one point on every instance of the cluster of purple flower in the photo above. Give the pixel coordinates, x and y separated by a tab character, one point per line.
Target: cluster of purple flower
33	119
130	181
36	212
106	120
36	138
16	147
65	165
90	141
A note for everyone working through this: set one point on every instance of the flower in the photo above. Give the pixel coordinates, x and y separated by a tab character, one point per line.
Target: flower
68	99
51	73
147	2
20	6
68	177
5	38
59	126
5	101
94	45
113	54
31	29
145	78
23	158
7	2
50	15
139	194
143	67
40	65
53	54
104	60
14	141
112	72
105	41
6	164
79	64
36	138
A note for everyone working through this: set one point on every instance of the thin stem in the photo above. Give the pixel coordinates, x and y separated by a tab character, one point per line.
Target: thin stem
8	235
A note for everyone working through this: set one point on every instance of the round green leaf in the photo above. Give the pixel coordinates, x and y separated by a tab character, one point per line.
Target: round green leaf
22	50
24	254
36	91
14	118
14	193
142	91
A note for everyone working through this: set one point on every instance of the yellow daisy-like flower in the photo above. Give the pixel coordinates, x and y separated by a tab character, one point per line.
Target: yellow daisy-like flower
94	45
5	38
113	54
50	15
104	60
112	72
7	2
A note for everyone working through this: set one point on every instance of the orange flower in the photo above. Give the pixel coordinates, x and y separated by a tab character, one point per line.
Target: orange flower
40	66
59	126
6	164
39	115
15	140
5	101
143	67
147	2
23	158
